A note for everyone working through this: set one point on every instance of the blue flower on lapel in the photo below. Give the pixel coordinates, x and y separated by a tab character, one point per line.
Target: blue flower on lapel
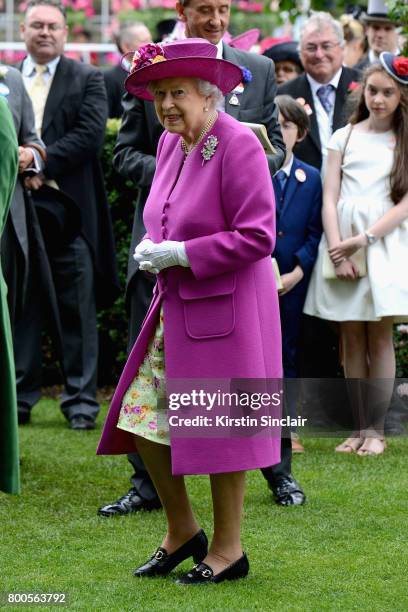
246	75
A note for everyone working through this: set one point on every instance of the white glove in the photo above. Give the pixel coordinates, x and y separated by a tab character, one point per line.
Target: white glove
156	257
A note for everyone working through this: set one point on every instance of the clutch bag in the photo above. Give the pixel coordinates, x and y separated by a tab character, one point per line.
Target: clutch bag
358	258
277	274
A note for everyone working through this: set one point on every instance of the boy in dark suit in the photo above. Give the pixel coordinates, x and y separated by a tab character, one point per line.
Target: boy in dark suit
298	192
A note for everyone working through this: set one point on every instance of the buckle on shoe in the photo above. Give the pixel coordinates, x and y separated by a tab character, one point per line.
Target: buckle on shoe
159	555
206	573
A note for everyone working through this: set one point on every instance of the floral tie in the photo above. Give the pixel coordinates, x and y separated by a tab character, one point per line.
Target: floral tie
323	93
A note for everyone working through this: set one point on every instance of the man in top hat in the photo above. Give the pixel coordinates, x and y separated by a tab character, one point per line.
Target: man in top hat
134	158
70	109
381	33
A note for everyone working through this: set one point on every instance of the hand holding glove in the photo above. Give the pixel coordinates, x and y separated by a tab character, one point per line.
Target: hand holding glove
156	257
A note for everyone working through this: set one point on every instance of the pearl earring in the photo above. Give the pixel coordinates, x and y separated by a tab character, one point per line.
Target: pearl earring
205	109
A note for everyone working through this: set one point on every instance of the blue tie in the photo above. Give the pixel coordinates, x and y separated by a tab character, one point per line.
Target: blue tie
282	177
323	93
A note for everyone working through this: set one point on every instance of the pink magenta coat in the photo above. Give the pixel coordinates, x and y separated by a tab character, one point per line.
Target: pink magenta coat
221	317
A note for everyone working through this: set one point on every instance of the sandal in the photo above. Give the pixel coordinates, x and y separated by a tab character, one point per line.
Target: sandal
351	445
372	447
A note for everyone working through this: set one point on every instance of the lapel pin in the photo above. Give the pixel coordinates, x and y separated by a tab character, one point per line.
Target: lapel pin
300	175
234	100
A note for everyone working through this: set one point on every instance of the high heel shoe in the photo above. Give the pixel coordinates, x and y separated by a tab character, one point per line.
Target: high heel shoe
202	573
162	563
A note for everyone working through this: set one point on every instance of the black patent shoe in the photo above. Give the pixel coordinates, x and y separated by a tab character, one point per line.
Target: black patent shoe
287	491
162	563
202	573
128	503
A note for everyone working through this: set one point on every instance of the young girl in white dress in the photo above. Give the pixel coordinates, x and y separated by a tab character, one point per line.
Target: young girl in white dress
365	209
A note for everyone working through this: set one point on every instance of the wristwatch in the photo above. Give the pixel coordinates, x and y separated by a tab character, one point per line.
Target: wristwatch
370	238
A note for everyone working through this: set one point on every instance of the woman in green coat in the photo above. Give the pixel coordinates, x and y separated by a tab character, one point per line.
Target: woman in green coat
9	462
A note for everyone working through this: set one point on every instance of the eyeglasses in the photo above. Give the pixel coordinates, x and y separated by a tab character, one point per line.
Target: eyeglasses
52	27
326	47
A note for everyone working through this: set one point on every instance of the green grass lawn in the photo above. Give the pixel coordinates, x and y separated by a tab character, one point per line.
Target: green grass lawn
346	549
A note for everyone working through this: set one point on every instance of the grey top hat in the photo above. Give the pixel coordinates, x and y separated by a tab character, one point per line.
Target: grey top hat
377	11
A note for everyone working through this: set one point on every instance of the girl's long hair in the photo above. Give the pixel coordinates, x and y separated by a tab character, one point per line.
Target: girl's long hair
399	172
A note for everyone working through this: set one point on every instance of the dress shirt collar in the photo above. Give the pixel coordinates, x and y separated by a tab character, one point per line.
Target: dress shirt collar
314	85
29	66
288	167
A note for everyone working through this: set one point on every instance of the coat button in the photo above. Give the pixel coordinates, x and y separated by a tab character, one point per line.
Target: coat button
280	233
164	219
166	206
164	233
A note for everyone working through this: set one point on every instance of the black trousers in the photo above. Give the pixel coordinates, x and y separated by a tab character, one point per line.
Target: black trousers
73	278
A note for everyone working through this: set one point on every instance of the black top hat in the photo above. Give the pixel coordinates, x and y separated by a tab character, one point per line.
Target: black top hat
59	217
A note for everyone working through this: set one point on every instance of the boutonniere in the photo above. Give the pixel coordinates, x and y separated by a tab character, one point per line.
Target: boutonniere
353	85
246	75
209	148
3	71
246	78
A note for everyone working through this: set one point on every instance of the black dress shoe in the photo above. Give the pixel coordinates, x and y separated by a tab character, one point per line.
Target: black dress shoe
131	502
202	573
81	422
287	491
161	563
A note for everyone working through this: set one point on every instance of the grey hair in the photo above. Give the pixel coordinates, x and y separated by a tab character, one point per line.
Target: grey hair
319	21
209	90
126	32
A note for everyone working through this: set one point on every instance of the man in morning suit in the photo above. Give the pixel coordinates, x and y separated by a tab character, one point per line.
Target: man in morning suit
14	241
381	32
324	87
130	37
134	158
70	108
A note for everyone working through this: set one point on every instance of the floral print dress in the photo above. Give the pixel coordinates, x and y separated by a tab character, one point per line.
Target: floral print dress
143	410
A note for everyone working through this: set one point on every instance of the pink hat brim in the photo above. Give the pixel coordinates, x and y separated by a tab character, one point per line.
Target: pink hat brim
222	73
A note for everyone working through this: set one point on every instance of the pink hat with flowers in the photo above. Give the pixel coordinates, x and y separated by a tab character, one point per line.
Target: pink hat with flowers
192	57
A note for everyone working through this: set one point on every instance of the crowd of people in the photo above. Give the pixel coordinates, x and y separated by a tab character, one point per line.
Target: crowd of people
330	203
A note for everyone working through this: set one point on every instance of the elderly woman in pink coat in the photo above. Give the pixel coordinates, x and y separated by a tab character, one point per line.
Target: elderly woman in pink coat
214	314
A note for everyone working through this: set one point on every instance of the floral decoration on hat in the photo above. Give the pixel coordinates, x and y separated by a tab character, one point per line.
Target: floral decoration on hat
400	65
148	54
3	71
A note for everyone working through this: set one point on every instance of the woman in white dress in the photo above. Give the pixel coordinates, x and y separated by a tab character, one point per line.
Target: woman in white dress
365	218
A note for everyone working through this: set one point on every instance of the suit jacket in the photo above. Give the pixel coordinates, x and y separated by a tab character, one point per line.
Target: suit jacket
298	221
135	150
23	117
73	129
115	89
309	150
9	461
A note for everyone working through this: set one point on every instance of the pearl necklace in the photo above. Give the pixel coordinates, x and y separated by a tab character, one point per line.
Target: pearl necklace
186	148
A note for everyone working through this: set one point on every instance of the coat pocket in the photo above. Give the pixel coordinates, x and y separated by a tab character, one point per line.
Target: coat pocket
209	306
